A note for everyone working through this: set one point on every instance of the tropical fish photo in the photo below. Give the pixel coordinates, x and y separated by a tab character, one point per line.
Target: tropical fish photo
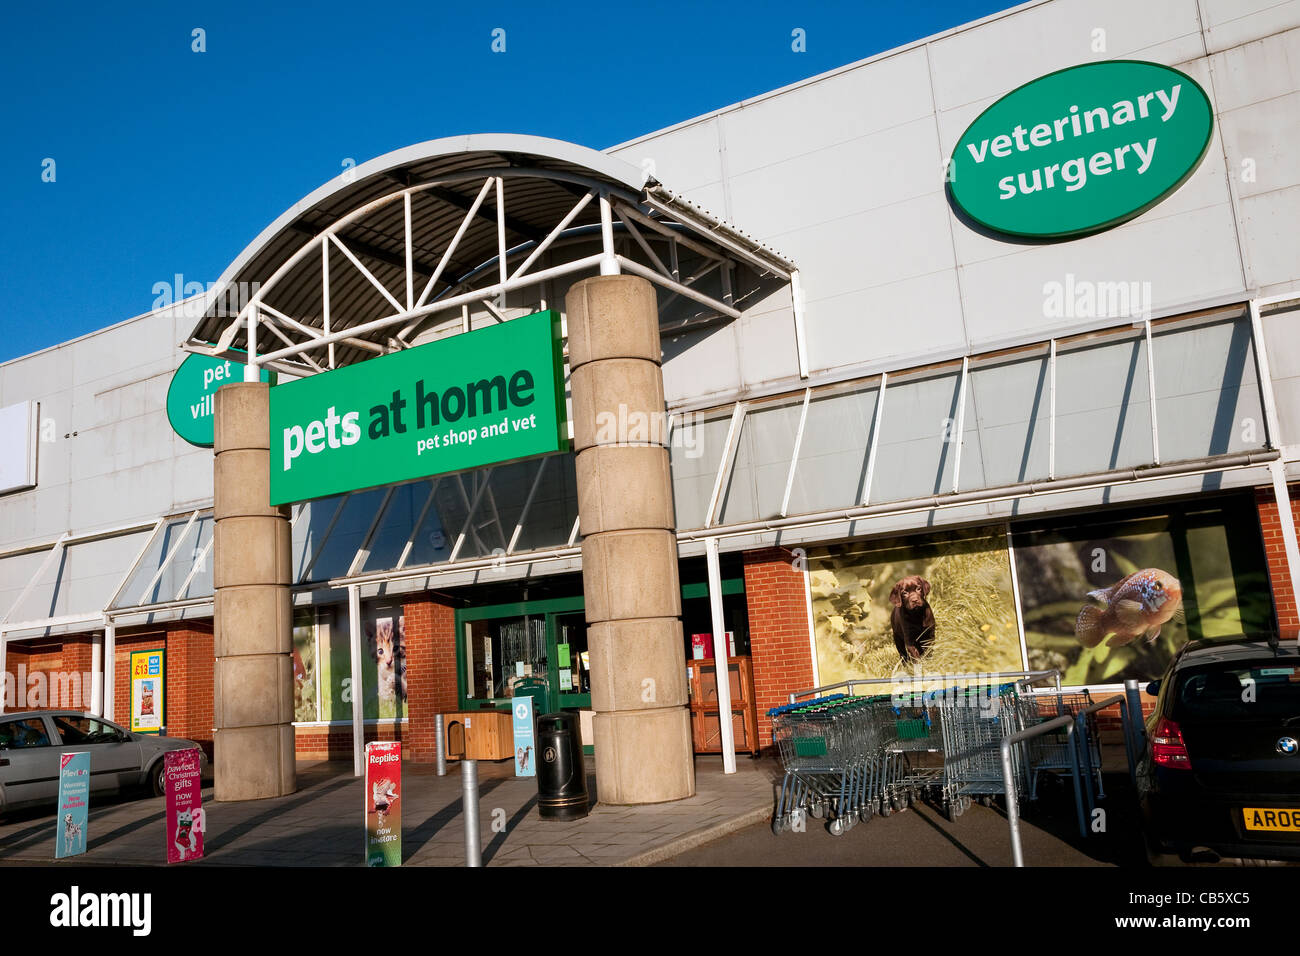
1139	604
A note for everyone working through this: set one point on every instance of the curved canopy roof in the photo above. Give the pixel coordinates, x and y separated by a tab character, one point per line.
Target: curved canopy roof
425	235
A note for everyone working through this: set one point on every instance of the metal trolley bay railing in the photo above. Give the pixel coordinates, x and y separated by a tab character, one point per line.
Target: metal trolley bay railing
851	755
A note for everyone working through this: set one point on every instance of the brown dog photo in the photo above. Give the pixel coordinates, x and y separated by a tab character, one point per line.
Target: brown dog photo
913	619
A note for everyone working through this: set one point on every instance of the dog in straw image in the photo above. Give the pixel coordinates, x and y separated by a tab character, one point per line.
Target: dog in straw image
383	794
71	834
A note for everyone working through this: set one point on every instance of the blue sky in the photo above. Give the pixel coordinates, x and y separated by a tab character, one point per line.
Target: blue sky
170	161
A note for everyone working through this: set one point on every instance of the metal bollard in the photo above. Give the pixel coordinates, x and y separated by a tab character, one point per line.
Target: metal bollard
469	795
440	744
1136	727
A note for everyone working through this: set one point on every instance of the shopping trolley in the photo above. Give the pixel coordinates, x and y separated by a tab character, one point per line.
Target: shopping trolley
1051	752
974	720
832	749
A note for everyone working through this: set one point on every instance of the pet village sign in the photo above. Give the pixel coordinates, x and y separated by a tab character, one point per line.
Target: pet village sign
1081	150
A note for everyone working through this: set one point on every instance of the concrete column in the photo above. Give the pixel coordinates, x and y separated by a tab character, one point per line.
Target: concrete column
253	635
629	551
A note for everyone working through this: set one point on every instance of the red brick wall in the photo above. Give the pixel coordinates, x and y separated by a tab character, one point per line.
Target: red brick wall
44	656
335	743
189	666
778	631
1284	600
430	672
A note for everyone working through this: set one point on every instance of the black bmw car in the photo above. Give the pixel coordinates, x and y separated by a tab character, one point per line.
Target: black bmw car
1220	776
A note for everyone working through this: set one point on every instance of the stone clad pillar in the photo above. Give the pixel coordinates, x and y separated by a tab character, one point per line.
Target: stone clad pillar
253	635
644	752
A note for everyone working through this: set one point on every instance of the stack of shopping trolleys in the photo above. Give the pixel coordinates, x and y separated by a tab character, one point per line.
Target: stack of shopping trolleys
848	758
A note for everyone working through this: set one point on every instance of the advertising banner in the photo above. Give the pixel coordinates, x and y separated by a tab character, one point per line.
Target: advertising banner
147	693
185	823
383	815
938	605
470	400
74	804
1107	601
525	765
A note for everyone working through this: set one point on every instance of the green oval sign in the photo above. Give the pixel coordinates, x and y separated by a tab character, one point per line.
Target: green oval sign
1082	149
192	392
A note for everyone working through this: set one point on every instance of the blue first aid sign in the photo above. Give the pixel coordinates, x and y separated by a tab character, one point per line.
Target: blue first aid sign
525	762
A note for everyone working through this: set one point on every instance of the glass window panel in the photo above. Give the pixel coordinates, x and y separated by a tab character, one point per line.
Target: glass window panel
178	570
1281	330
697	444
159	548
498	509
395	526
1207	390
338	550
832	467
313	521
555	506
1010	406
916	448
201	564
762	463
434	541
1103	417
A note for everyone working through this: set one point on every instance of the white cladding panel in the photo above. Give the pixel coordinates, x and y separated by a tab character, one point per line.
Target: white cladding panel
844	174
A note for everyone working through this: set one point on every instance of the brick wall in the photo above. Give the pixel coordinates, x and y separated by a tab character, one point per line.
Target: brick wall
430	672
1270	526
778	631
189	666
46	657
335	743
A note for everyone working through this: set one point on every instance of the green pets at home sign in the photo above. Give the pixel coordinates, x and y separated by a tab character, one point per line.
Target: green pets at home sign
462	402
1082	149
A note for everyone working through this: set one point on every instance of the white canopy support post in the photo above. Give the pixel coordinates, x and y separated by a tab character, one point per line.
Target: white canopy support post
1151	394
960	425
874	440
110	666
96	701
724	463
800	333
609	259
1051	412
252	372
354	645
794	454
4	675
1277	467
728	736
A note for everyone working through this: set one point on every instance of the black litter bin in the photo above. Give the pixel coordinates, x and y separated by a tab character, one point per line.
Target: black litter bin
561	771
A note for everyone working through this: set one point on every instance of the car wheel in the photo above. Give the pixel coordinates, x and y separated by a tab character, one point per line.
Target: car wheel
158	778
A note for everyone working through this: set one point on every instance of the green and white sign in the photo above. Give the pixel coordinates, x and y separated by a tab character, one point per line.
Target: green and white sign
1082	149
192	392
462	402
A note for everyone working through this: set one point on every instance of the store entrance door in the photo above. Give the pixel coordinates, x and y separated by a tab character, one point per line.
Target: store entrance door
505	645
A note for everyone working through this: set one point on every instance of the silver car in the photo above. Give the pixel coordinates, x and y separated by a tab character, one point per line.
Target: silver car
31	742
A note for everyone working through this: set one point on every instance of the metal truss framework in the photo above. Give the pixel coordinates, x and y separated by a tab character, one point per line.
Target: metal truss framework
655	235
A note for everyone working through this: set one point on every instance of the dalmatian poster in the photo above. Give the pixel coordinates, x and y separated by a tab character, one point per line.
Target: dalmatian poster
185	820
383	803
74	805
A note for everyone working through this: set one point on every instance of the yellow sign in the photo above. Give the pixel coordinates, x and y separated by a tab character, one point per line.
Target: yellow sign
1280	821
148	676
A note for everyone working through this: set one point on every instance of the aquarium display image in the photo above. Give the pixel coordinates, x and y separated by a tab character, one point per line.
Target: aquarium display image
1107	601
901	607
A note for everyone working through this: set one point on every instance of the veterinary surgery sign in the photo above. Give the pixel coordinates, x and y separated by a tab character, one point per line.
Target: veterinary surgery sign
1082	149
462	402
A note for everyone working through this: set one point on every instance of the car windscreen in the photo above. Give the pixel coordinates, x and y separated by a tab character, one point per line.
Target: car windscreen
1242	690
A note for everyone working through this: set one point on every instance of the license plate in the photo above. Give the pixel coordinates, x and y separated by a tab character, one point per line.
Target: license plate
1273	821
